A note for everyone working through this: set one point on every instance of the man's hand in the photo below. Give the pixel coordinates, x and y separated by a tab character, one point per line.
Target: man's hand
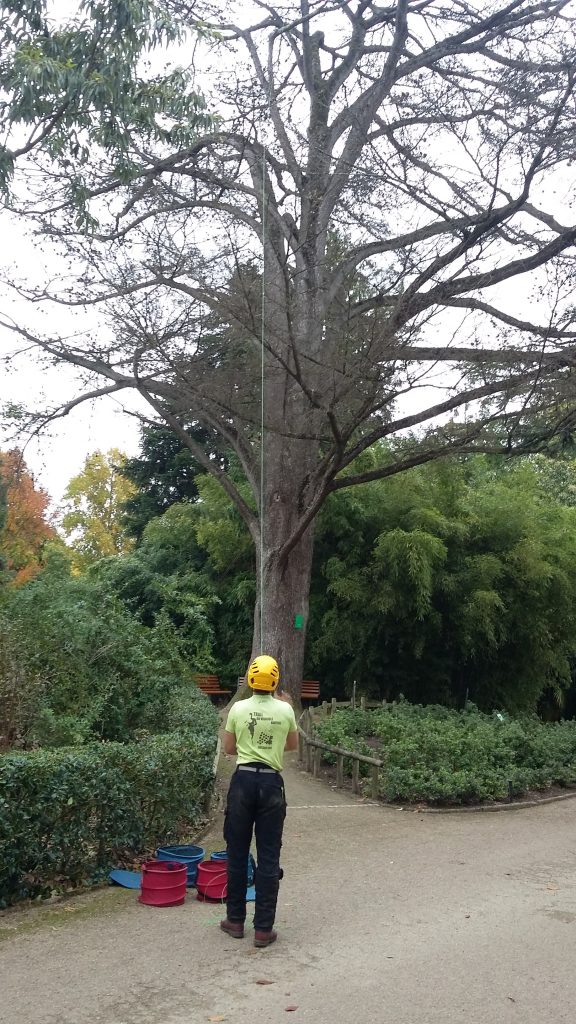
285	697
230	743
291	741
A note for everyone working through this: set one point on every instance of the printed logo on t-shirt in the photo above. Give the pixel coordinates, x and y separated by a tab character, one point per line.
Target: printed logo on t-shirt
258	726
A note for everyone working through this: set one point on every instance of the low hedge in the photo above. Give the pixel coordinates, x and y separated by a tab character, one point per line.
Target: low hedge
440	756
67	815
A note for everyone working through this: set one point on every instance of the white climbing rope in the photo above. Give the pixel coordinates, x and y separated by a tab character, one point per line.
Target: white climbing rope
262	387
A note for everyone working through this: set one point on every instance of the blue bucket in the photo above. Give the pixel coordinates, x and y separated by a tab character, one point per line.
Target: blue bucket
191	856
222	855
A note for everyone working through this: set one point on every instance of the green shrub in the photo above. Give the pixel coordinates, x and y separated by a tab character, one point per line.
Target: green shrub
68	814
440	756
189	708
21	691
104	674
48	729
346	731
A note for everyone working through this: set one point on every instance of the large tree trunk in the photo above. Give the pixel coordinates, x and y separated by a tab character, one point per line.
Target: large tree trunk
285	611
285	580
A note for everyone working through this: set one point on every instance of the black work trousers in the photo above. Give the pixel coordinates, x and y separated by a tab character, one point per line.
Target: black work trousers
256	803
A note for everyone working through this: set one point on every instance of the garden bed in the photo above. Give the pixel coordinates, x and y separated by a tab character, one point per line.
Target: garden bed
441	758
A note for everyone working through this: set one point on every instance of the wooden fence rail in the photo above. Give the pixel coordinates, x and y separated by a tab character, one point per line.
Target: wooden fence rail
310	752
328	706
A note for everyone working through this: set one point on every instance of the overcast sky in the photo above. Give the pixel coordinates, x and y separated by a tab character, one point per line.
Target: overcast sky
61	449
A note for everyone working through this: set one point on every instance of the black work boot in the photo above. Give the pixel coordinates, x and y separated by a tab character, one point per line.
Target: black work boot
233	928
262	939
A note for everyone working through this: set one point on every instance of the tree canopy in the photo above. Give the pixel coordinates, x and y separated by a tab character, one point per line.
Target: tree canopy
455	583
82	82
93	507
326	264
163	473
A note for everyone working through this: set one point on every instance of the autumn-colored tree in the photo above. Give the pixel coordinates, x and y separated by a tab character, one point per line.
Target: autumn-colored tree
25	529
94	507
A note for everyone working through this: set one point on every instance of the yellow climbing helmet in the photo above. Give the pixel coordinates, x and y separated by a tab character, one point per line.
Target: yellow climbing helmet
264	674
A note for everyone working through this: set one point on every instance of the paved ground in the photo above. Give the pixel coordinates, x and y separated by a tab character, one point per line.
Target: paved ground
385	916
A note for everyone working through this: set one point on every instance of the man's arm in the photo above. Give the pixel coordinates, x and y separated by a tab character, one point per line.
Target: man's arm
292	737
230	743
291	741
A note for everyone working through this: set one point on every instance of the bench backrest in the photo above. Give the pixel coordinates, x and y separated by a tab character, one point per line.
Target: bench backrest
205	680
309	690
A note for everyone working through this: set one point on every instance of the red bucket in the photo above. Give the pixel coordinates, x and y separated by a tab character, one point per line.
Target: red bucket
163	883
212	880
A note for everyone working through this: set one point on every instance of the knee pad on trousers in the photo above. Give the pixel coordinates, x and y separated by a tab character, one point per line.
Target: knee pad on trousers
278	877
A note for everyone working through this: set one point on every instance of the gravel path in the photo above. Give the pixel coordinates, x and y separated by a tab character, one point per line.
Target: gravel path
386	916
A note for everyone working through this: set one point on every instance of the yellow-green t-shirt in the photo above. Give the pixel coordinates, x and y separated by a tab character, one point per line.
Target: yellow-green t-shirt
261	725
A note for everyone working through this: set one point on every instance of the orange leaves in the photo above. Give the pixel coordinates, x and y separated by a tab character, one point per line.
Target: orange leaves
23	528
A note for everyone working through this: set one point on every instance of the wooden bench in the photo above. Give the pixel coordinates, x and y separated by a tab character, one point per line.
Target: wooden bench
210	685
309	690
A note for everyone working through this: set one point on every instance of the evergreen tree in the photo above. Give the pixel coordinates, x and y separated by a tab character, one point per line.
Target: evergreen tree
163	474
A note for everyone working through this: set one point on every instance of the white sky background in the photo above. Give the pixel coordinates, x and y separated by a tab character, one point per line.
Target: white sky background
59	453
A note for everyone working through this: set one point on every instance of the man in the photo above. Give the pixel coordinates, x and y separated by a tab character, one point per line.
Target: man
258	731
